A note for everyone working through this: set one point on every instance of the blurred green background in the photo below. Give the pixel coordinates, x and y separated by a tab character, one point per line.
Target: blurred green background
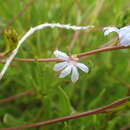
107	81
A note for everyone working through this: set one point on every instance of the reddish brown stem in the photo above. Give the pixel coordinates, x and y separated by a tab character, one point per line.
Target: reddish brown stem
80	55
38	60
26	93
101	50
91	112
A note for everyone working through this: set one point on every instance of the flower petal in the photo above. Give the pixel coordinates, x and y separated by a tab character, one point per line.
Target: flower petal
125	41
125	29
124	36
108	30
65	72
75	74
60	66
83	67
61	55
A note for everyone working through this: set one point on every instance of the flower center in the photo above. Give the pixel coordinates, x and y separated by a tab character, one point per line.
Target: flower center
72	60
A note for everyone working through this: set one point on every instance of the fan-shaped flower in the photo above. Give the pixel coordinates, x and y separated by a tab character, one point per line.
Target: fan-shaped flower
123	33
70	64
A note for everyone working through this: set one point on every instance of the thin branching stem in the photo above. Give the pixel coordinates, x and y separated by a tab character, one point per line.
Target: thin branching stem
80	55
11	98
83	114
101	50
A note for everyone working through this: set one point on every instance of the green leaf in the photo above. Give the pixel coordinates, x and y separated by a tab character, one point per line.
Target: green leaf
97	99
64	102
9	120
11	38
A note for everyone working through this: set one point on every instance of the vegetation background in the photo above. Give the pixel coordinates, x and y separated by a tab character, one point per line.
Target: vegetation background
107	81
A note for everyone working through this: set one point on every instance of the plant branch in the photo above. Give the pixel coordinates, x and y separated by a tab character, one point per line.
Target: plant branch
101	50
83	114
80	55
26	93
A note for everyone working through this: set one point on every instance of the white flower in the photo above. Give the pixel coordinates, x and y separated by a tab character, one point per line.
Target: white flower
69	65
123	33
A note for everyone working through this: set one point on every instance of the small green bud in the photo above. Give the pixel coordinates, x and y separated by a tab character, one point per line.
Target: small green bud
11	37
